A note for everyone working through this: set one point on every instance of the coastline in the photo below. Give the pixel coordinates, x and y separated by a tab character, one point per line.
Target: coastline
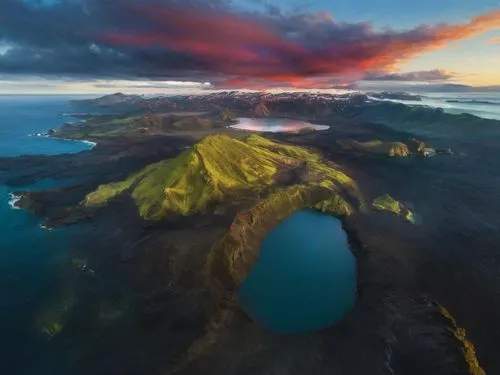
45	135
14	198
458	106
13	201
44	227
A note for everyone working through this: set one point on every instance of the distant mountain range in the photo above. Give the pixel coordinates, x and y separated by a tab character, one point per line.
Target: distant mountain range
255	104
217	110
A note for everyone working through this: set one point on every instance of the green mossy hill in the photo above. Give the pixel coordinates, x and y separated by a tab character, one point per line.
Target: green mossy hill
389	204
221	168
392	149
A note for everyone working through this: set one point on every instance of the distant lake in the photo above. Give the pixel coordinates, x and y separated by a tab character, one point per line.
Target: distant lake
275	125
305	278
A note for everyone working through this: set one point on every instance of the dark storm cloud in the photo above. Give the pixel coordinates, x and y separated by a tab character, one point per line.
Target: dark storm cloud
207	41
422	76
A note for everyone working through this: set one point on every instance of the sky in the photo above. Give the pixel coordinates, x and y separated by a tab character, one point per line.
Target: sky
184	46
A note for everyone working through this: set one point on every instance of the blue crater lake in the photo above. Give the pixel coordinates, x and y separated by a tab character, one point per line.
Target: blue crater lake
305	278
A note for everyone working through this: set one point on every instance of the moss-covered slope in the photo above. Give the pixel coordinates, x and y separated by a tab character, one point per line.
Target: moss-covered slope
220	168
389	204
393	149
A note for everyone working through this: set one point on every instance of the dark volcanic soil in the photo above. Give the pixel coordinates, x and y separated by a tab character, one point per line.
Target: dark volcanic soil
143	302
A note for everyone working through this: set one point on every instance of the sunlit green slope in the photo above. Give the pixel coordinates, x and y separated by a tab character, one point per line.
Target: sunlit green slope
220	168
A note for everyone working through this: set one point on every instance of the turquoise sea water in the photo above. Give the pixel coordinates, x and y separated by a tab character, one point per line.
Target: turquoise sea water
485	105
29	254
21	116
305	278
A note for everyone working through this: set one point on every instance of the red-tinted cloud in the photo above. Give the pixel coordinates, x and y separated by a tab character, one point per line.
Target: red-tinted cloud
299	51
211	40
421	76
494	41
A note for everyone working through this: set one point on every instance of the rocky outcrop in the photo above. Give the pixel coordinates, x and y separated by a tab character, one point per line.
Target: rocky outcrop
261	110
396	149
228	115
399	149
391	149
420	328
389	204
466	346
417	146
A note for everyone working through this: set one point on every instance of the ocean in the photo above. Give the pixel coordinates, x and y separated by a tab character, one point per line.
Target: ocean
29	254
485	105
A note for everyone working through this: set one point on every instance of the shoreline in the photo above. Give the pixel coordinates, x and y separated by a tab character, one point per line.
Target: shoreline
13	201
44	227
45	135
453	107
13	205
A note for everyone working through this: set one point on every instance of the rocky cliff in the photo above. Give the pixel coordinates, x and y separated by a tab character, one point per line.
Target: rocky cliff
261	110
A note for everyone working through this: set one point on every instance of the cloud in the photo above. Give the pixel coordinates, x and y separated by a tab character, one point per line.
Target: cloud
212	40
494	41
153	85
422	76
